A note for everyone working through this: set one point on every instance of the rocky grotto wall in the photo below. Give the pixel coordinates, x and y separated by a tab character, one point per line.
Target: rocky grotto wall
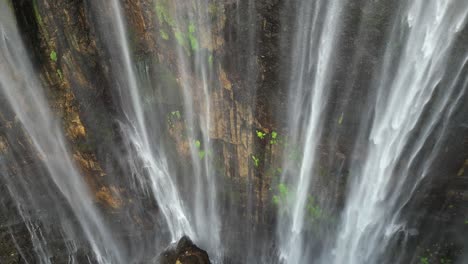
248	111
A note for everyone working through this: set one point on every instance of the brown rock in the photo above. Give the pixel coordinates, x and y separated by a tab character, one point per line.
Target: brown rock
184	252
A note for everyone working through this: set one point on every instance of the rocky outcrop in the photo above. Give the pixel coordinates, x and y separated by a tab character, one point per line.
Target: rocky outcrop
184	252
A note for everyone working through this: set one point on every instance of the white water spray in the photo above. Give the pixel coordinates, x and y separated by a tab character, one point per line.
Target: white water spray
21	88
426	30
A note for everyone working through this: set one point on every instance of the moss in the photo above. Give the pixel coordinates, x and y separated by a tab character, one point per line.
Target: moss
162	11
314	212
189	41
256	161
53	56
40	21
60	75
210	60
192	37
274	138
424	260
191	28
282	195
37	14
179	36
212	9
164	34
193	42
201	154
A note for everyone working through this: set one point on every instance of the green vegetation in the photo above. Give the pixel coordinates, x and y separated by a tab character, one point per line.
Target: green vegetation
192	37
164	34
53	56
39	20
163	14
180	38
201	152
260	134
60	75
189	41
212	9
424	260
314	212
274	138
197	144
37	14
176	114
210	60
282	196
340	120
193	42
186	38
445	261
191	27
172	117
466	222
256	161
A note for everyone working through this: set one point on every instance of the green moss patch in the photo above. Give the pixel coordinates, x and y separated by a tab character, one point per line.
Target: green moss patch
53	56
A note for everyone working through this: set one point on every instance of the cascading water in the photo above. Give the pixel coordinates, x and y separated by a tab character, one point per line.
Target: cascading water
387	180
380	188
196	65
56	177
314	47
372	94
150	165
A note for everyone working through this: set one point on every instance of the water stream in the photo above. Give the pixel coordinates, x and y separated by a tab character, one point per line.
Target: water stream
372	95
56	176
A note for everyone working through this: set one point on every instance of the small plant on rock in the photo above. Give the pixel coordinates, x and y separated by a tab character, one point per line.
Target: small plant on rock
256	161
201	152
424	260
274	138
261	134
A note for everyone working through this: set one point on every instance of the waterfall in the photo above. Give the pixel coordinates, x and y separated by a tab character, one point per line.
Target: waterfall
56	176
309	87
267	131
413	69
196	217
387	179
150	166
196	65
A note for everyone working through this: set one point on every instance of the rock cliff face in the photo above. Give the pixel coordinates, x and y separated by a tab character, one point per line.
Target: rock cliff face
247	114
74	68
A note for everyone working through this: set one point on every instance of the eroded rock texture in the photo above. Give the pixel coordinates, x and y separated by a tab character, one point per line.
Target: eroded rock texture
247	97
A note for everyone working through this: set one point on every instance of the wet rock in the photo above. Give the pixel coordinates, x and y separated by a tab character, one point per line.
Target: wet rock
184	252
